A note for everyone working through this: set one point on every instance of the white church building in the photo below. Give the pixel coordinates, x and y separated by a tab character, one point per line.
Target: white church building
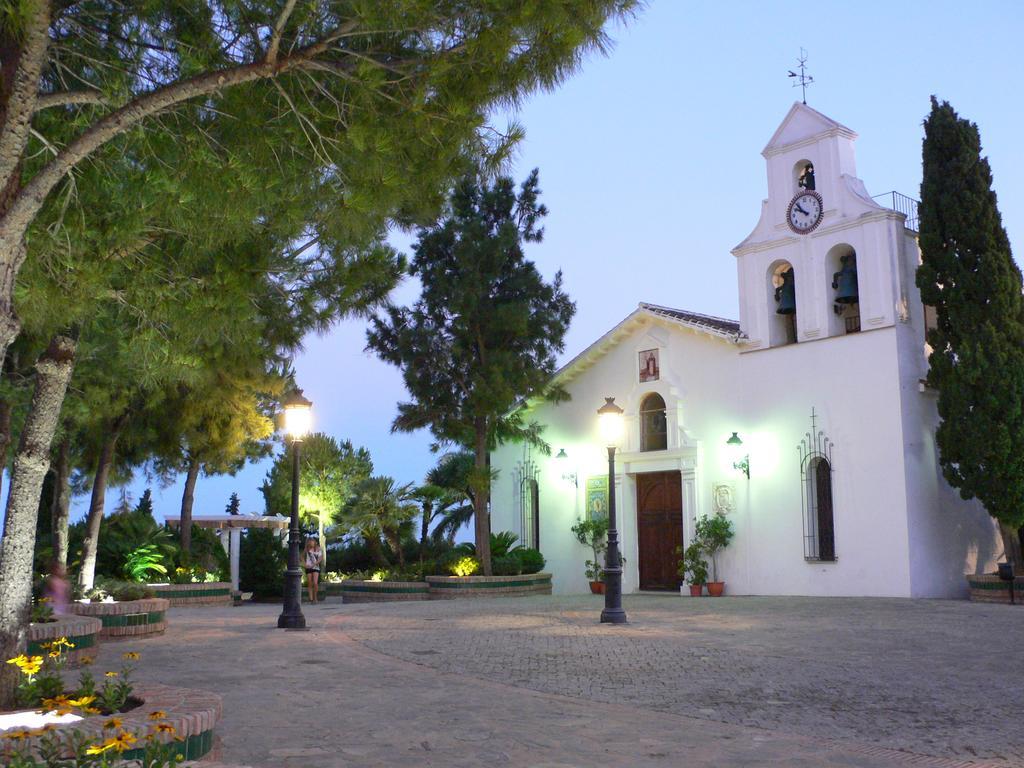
836	488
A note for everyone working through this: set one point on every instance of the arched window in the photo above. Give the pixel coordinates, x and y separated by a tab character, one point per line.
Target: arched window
653	424
816	482
526	474
782	303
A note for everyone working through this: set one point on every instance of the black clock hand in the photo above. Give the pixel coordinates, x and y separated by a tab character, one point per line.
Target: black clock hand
805	213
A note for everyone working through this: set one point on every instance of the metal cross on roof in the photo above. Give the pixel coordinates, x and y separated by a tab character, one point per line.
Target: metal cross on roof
803	79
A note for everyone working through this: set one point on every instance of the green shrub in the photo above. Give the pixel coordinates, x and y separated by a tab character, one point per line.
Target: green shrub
262	563
509	565
121	591
530	560
351	556
206	554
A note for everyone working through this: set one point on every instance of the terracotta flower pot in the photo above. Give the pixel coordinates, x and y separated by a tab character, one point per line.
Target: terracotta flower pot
716	588
696	590
597	587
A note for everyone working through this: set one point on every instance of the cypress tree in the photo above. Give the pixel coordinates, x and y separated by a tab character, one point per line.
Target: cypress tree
977	361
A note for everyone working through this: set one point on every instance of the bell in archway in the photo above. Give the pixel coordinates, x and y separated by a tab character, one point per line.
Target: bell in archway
785	294
845	281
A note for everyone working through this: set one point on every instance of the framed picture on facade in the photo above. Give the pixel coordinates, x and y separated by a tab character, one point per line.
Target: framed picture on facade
597	498
650	368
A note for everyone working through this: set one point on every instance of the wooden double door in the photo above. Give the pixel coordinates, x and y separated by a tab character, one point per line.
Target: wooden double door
659	523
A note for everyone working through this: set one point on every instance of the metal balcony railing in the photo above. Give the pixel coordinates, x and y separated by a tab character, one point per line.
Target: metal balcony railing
901	204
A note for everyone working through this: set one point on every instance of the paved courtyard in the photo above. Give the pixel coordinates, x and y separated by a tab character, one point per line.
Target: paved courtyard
536	682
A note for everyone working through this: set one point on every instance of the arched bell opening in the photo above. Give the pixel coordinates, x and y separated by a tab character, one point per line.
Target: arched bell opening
803	176
782	304
844	290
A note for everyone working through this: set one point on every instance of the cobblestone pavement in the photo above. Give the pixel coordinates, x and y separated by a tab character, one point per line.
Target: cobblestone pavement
934	677
537	683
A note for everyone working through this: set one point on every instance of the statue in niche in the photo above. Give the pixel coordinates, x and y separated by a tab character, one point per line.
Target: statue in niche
806	180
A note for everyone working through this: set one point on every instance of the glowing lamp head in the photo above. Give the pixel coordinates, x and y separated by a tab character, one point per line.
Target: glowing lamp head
735	445
298	416
561	454
610	422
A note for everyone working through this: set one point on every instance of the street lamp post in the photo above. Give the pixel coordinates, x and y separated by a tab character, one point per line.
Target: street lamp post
610	420
297	418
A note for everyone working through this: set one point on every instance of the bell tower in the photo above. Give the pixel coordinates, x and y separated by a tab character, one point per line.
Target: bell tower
823	260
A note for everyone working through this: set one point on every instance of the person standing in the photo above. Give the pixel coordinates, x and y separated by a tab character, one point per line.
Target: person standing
313	559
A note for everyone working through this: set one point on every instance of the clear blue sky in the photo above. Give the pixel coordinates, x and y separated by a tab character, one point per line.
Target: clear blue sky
629	148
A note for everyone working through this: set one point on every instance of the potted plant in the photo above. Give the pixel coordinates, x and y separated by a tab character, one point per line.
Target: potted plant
693	568
714	534
594	534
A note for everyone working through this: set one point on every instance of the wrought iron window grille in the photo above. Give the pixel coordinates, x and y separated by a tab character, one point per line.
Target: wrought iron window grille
816	472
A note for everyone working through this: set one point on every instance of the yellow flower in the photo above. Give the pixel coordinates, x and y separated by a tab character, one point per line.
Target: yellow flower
85	701
110	674
18	660
90	710
123	741
112	723
165	728
130	656
157	714
19	735
85	661
54	654
99	749
60	704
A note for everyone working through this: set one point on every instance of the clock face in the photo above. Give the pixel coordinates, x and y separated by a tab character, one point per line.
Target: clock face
804	212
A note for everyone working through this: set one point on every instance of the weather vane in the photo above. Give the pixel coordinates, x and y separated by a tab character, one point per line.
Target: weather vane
803	79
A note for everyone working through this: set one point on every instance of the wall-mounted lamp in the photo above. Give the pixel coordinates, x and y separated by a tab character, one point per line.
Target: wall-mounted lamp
567	476
740	458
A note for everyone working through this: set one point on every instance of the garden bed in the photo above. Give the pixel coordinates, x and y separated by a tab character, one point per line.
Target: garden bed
203	593
83	631
129	619
356	591
989	588
193	715
447	587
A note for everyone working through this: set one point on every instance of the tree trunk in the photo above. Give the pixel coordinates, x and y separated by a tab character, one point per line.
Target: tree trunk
428	508
61	507
32	462
395	542
1012	546
87	575
186	505
481	520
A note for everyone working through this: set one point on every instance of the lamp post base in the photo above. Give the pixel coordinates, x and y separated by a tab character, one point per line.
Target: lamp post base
613	616
291	617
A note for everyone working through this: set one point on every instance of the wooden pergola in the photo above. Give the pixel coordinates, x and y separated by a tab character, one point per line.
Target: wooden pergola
229	531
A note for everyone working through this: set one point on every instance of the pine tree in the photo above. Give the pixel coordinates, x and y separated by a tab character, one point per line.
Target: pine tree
234	505
483	335
145	505
977	362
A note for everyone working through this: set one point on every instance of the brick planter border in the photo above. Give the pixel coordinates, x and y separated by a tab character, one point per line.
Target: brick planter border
83	631
353	591
445	587
205	593
130	619
192	713
989	588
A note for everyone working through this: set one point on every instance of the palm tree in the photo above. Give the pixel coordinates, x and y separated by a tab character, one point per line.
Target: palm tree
380	508
452	474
